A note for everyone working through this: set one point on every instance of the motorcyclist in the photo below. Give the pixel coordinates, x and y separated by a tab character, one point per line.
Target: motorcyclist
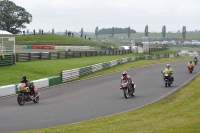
196	58
191	63
125	76
170	71
24	80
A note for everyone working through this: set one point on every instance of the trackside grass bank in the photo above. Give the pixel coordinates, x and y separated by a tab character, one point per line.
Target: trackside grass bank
53	39
46	68
178	113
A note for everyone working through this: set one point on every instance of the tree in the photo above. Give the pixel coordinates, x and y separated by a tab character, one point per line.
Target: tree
184	32
53	31
112	31
164	31
146	31
12	17
66	32
96	31
82	32
129	32
116	30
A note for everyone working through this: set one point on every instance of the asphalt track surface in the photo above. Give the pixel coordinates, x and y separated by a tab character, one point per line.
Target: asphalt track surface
90	98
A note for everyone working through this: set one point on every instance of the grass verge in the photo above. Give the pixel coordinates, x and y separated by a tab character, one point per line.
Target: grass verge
50	39
168	51
178	113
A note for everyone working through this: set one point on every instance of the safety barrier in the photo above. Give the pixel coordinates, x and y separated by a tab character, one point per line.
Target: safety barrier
68	75
21	57
150	57
7	59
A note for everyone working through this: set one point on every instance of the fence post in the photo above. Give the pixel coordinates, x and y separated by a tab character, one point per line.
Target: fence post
73	54
29	56
49	55
80	54
96	53
58	54
17	55
86	53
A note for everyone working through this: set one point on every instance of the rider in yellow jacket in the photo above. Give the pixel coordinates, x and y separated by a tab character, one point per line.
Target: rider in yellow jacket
170	70
190	63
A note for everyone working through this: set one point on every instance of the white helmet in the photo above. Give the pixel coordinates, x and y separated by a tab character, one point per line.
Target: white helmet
167	65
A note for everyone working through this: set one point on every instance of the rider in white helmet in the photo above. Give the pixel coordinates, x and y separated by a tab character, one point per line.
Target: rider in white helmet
125	76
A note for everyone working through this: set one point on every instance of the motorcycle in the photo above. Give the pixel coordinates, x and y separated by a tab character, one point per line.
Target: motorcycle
195	61
167	79
127	89
24	94
190	68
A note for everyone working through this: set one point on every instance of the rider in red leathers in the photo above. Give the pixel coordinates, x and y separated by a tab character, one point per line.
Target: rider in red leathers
127	77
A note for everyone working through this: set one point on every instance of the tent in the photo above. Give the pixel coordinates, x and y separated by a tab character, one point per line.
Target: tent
3	32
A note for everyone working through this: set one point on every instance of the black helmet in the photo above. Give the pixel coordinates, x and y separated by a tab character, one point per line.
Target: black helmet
24	77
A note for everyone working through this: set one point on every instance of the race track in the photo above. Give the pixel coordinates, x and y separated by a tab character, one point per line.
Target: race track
90	98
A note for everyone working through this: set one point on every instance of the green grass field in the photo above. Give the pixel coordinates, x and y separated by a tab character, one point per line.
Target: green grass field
189	48
168	51
178	113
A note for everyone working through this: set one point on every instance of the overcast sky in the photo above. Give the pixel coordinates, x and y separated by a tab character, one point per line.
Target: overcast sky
87	14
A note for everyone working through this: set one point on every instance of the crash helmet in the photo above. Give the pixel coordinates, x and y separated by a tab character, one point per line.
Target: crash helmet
24	77
168	65
124	73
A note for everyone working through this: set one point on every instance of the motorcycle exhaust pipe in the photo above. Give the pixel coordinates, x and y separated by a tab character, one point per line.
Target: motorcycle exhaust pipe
36	96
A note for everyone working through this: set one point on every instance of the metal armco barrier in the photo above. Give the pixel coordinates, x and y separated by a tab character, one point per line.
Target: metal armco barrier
68	75
20	57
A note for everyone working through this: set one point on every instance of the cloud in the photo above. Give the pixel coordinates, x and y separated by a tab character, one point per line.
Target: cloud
87	14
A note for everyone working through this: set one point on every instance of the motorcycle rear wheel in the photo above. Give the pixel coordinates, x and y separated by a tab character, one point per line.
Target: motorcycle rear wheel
166	84
37	98
21	100
132	94
190	70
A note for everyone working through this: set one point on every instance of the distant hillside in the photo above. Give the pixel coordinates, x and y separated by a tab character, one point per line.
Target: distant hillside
49	39
116	31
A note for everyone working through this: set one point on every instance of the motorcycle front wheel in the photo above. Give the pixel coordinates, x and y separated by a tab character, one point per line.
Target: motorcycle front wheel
126	94
21	100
